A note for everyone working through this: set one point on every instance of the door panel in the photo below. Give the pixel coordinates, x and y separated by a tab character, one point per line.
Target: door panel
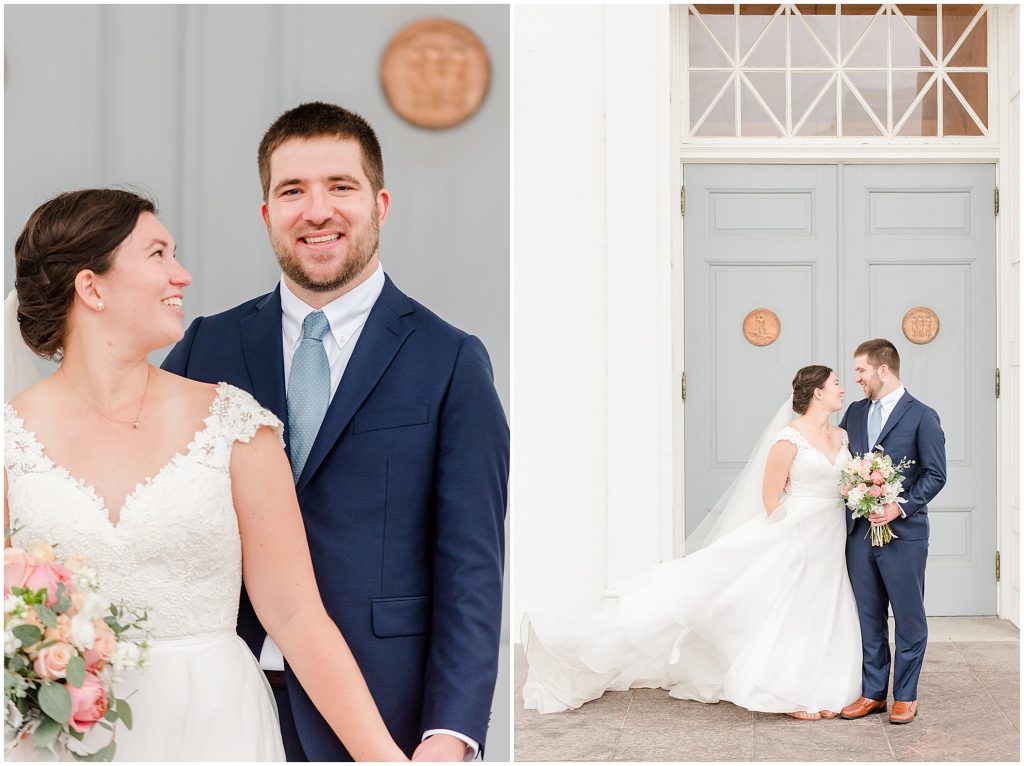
924	235
756	237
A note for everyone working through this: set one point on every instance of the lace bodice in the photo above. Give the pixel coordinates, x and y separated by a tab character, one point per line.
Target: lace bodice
811	474
176	549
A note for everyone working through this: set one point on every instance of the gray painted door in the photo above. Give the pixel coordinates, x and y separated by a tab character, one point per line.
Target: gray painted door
924	235
840	253
757	236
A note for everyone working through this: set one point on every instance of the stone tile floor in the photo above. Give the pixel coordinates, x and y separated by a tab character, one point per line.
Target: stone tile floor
970	711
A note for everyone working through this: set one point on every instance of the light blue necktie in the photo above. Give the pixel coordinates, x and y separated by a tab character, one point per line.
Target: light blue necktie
309	389
874	423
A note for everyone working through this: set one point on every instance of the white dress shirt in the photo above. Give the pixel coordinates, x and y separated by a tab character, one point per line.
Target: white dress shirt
346	315
888	405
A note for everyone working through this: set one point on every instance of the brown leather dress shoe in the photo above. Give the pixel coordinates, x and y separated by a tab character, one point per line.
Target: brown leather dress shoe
903	712
862	707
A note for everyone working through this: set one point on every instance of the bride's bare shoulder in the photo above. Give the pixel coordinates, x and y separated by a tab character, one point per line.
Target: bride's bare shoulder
36	398
187	394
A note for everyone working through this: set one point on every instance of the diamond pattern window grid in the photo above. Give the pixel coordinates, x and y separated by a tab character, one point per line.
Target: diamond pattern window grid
892	70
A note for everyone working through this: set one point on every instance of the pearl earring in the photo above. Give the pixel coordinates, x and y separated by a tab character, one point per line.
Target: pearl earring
99	305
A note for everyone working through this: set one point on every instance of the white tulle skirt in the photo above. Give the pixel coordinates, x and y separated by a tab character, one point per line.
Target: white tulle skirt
202	698
764	618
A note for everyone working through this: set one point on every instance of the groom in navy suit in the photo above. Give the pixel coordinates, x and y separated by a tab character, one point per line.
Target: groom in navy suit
894	573
397	439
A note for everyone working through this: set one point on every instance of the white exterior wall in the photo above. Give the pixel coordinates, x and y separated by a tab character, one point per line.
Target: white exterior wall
597	345
592	342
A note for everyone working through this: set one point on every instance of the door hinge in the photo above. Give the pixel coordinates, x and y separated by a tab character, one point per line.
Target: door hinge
999	384
997	200
682	387
682	201
998	563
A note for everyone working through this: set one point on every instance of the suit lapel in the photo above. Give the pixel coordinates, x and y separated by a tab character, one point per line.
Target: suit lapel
857	428
385	331
264	356
898	412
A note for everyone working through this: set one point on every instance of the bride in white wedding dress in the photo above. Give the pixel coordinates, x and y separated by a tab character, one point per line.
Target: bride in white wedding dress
174	491
762	615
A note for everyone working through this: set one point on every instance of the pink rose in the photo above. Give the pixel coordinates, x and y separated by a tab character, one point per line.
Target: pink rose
102	647
875	491
88	704
884	487
48	576
864	470
17	566
877	478
52	662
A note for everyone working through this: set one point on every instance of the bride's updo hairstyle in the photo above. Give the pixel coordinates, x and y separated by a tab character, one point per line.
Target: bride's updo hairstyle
72	232
806	380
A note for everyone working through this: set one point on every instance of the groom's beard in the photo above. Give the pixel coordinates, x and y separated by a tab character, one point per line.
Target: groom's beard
361	248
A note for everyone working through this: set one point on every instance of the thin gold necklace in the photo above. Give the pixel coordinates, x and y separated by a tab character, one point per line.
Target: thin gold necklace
135	424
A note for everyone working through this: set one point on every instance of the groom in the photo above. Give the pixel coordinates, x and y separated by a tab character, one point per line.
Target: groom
397	439
892	574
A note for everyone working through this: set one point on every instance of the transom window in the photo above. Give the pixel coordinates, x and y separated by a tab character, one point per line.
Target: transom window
880	70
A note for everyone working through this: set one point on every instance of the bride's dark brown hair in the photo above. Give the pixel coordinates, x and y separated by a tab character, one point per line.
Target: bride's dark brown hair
73	231
806	380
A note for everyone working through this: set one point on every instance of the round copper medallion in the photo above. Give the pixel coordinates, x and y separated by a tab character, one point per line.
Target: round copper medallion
921	325
761	327
435	73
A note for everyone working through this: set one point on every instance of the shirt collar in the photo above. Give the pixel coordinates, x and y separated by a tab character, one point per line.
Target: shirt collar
346	313
889	400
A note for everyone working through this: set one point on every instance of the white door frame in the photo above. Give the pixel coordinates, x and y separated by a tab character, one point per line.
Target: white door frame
1000	149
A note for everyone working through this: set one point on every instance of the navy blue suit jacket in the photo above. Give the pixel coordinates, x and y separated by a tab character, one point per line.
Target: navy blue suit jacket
403	498
912	431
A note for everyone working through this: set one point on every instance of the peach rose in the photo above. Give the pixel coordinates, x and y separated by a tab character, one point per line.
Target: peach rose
52	662
875	491
48	576
102	647
88	704
877	478
42	553
60	633
864	470
17	567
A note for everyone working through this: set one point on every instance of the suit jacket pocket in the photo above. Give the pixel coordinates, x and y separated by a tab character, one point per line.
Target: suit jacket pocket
406	616
392	417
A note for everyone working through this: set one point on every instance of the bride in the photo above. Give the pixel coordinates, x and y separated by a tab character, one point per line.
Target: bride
762	615
175	492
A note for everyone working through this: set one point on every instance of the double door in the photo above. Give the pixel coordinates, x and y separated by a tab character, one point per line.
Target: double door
790	265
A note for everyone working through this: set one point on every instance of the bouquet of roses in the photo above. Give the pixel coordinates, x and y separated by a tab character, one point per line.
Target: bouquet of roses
868	483
64	642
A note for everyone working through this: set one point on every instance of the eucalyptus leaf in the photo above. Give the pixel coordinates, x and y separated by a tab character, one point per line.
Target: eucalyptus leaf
75	672
111	714
55	701
46	616
28	634
10	680
46	732
124	712
18	662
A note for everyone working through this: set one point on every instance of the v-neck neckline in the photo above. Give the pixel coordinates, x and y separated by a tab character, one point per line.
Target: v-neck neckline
89	489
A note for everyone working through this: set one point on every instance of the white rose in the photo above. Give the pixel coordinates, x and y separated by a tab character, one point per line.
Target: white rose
95	607
83	633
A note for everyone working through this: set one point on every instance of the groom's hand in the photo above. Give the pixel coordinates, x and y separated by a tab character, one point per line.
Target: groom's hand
889	512
440	747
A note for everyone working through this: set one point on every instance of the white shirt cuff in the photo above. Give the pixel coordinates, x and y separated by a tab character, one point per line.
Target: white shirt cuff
472	746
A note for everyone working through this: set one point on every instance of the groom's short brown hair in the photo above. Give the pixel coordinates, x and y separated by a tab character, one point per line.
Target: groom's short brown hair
880	351
317	120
